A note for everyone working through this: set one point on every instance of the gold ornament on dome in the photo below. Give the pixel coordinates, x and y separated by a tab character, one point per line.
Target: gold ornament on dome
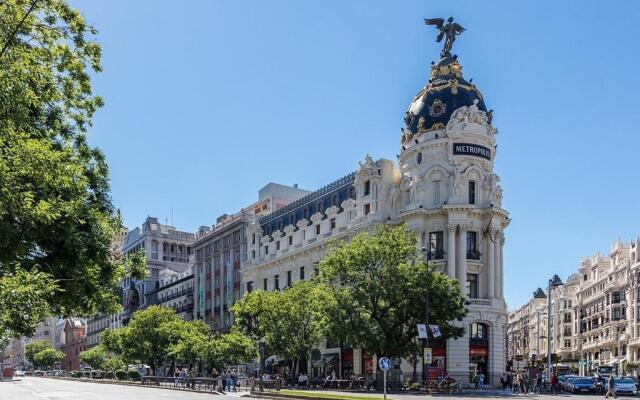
453	68
436	127
437	108
421	128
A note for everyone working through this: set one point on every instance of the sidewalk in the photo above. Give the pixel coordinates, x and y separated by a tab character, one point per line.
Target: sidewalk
349	395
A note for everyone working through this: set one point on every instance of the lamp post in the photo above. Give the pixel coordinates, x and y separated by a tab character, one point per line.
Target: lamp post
554	281
425	366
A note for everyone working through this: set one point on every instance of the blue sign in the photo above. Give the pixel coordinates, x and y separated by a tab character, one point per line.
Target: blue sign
384	363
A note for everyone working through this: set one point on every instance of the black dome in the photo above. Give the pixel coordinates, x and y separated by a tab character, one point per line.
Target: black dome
446	92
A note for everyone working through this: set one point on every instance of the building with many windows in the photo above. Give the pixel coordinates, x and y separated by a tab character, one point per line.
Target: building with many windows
220	250
594	313
444	188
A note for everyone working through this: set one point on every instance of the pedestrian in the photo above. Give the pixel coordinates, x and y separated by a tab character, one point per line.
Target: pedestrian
192	378
611	387
480	380
176	377
234	379
225	380
183	377
537	388
523	383
554	384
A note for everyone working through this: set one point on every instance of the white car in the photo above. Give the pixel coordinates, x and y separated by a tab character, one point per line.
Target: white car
18	373
623	386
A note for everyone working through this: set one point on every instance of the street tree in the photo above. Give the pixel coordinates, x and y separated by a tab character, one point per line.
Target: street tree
145	339
47	357
184	338
33	348
57	220
300	320
221	350
380	286
96	357
114	363
253	313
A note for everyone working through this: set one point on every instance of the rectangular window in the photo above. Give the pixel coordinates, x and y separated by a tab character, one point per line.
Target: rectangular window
249	286
276	282
472	192
317	229
265	284
436	245
278	245
472	286
472	246
288	278
333	223
435	200
266	249
367	209
290	240
301	273
367	188
253	254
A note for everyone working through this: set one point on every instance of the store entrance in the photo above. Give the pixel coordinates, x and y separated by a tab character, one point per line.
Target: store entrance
479	353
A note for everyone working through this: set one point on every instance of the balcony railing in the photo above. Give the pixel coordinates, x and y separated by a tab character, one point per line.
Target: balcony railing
436	255
473	255
175	295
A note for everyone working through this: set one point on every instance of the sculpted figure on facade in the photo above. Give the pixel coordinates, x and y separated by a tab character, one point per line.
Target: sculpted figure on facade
464	116
368	162
458	170
393	199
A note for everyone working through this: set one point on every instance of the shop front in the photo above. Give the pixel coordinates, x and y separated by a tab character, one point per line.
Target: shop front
479	351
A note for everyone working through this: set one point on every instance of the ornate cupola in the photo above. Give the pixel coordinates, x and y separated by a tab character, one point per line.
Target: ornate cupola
445	92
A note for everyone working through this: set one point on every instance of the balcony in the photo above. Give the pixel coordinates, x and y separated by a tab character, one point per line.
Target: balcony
473	255
480	302
436	255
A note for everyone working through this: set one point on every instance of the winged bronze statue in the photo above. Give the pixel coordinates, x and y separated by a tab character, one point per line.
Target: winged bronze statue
449	31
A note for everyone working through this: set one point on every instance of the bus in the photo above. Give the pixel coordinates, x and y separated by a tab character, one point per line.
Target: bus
560	370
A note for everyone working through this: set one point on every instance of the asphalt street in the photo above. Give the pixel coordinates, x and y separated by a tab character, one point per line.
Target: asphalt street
32	388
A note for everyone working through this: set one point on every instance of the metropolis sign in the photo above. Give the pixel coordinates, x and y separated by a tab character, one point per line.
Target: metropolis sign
470	149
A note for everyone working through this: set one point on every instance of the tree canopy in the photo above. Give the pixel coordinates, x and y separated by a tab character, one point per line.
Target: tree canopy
42	354
96	357
57	220
380	286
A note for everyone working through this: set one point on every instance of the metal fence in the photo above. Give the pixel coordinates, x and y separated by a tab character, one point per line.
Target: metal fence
197	383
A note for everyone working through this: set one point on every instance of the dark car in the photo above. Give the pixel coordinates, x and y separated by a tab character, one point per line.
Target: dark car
582	384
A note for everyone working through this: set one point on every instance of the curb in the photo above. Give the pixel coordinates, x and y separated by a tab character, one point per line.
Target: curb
136	384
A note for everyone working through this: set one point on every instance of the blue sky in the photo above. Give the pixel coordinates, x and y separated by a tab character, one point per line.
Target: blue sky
207	101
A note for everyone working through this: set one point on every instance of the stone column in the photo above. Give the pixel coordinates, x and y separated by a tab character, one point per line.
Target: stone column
451	252
462	255
497	267
491	278
500	275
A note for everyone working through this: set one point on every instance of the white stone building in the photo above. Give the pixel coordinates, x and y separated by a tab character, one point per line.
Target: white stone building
443	187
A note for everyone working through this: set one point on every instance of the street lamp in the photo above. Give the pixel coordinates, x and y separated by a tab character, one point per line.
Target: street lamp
554	281
425	365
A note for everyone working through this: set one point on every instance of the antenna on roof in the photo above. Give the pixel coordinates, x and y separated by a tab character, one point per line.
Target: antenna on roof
171	215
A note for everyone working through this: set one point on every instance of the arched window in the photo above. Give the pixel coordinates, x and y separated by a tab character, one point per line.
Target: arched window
478	330
419	159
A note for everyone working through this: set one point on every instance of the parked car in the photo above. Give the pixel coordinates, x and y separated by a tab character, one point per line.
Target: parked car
19	373
582	384
623	386
568	379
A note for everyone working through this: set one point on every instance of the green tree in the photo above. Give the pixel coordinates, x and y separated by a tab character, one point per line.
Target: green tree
254	312
225	349
184	338
301	320
145	339
380	285
96	357
33	348
114	363
57	220
46	357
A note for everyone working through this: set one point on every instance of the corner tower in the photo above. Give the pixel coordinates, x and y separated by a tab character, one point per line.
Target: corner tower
448	193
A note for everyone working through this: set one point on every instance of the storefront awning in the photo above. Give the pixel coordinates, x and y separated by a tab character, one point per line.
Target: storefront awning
324	360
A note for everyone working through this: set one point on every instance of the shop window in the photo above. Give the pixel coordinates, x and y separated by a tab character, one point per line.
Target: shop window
478	330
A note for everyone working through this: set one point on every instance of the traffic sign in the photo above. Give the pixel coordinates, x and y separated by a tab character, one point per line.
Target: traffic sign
384	363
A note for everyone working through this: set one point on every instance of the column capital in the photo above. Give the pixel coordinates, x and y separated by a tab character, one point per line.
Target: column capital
452	228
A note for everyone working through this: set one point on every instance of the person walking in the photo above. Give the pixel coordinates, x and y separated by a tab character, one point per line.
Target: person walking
611	387
234	379
537	388
555	385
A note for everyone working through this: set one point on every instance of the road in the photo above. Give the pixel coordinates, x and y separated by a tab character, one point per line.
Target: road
32	388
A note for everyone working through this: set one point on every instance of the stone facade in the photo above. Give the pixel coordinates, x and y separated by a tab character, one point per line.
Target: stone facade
595	319
444	189
220	250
